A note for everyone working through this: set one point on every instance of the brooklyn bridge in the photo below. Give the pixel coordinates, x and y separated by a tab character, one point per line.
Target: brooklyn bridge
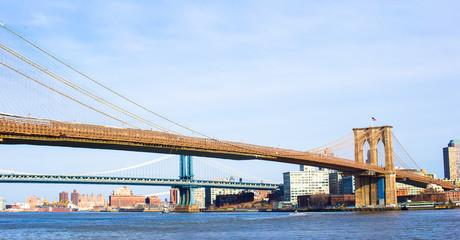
137	133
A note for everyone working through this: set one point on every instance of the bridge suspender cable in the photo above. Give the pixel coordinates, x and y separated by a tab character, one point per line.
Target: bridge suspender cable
131	167
76	87
406	152
102	85
311	150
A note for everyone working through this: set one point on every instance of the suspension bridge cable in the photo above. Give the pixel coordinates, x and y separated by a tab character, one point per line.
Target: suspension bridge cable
232	170
86	92
329	143
131	167
100	84
333	147
73	99
406	152
401	161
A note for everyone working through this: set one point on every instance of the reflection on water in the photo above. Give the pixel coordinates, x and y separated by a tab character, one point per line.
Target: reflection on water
429	224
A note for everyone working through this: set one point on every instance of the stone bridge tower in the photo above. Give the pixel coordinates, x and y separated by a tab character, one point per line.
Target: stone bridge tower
372	188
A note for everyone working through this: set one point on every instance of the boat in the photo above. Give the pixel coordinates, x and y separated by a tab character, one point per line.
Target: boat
165	210
409	205
51	208
56	207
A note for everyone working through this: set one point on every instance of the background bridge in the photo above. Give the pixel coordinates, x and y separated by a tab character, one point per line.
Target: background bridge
158	172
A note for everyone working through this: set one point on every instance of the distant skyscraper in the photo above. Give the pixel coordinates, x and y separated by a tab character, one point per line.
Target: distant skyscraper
452	160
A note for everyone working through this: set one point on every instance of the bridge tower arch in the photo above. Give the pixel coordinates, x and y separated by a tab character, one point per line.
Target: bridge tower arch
370	188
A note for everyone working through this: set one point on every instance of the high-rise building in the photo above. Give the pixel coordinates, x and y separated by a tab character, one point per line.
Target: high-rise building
75	197
348	185
452	160
199	197
174	196
63	197
307	181
335	183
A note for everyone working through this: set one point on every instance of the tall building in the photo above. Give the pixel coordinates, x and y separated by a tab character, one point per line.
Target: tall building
63	197
307	181
348	185
75	197
199	197
174	196
452	160
335	183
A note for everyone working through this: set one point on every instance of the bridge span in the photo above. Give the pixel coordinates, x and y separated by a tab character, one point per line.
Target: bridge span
16	130
70	179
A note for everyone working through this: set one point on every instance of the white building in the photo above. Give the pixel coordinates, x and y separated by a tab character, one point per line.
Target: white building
307	181
2	204
199	197
211	194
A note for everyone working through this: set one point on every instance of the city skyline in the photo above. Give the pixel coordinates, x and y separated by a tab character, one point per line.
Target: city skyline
272	74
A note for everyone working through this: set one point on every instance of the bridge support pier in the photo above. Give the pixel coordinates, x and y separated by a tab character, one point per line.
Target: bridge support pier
371	189
186	200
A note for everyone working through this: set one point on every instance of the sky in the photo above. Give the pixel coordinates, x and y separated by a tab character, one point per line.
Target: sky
291	74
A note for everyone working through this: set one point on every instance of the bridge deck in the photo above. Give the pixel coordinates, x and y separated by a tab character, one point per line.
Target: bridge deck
47	132
70	179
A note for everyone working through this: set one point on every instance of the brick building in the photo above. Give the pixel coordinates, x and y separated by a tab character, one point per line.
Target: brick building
322	200
453	196
124	198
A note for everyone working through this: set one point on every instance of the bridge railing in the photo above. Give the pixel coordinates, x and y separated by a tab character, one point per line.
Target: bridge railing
50	128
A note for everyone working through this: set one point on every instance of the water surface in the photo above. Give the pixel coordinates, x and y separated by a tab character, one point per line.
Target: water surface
426	224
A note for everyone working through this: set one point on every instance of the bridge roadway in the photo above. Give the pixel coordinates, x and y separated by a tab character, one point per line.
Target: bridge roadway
79	179
14	130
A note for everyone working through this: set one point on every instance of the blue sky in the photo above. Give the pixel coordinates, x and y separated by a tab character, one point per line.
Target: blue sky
293	74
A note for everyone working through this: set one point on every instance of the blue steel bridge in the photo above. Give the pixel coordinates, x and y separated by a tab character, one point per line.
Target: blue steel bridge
207	176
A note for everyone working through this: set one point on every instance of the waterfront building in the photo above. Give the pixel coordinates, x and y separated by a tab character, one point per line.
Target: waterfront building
2	204
348	185
322	200
199	197
232	199
451	155
63	197
153	200
75	197
335	183
212	193
403	189
124	198
453	196
174	196
307	181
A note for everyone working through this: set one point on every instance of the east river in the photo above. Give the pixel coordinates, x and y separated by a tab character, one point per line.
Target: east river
423	224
